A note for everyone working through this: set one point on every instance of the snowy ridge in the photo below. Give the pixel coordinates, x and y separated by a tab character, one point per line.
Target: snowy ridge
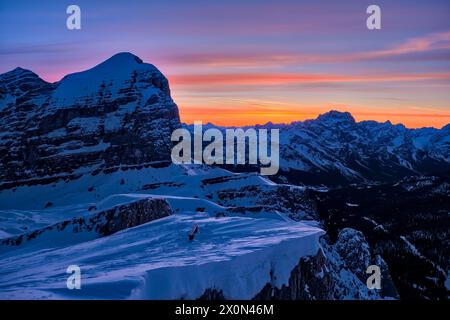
240	270
235	252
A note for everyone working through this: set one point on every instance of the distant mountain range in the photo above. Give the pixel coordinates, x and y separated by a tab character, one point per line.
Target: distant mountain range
87	179
335	146
334	149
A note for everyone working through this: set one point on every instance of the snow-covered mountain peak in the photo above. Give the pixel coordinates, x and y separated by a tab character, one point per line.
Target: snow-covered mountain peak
120	65
17	72
88	118
335	116
334	147
18	76
124	57
89	156
123	71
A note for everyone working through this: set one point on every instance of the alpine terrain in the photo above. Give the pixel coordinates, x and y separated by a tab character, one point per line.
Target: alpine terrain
87	180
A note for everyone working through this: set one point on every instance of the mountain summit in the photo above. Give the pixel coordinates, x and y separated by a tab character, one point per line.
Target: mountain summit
123	58
335	116
118	112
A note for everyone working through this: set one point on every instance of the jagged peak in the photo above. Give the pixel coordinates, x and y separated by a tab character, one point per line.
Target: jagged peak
19	70
336	116
19	73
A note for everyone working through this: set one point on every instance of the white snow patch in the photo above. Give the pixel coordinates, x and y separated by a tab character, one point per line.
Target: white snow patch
233	254
352	204
412	247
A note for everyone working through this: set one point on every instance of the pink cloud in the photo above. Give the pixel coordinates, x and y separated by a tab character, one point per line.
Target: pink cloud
424	44
257	79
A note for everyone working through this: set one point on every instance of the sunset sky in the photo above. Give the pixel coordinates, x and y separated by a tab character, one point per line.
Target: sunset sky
238	62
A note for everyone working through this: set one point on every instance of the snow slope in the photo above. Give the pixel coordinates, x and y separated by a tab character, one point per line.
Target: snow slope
234	252
157	261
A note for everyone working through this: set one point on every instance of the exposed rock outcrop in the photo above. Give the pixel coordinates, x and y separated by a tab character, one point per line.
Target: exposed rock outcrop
98	224
309	280
335	272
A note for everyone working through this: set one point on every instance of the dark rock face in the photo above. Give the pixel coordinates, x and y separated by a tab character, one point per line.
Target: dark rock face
119	112
212	295
132	214
329	275
294	202
354	250
335	272
103	223
309	280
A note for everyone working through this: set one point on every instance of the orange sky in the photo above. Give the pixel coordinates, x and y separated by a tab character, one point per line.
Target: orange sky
233	117
413	99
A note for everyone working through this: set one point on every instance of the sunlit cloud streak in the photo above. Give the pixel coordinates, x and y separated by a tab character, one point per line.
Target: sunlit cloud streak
425	44
258	79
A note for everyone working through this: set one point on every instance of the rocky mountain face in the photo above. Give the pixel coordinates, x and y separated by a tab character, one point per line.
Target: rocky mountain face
99	224
119	112
336	272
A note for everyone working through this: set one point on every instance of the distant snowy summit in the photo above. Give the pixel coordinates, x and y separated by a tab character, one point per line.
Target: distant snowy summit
336	117
119	112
